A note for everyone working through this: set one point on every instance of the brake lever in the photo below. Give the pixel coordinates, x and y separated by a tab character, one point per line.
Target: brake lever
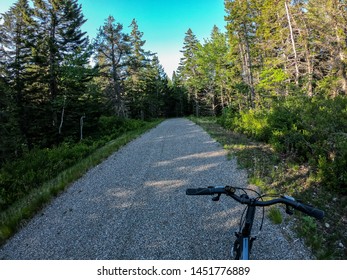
289	210
216	198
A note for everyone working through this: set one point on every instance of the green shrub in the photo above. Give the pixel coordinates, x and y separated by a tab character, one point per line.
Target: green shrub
254	123
288	134
228	118
332	167
21	176
132	124
310	129
110	124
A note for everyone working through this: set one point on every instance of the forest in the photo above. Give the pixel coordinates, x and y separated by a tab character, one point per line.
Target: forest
65	97
48	84
278	74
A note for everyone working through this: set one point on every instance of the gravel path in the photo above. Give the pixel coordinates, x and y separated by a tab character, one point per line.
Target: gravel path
133	206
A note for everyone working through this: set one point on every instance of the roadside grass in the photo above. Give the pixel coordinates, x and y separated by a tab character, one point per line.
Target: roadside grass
17	214
276	173
275	215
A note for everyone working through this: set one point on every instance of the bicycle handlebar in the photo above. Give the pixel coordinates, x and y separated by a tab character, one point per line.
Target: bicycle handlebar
206	191
243	199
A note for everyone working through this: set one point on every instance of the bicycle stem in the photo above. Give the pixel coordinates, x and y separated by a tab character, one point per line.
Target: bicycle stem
247	229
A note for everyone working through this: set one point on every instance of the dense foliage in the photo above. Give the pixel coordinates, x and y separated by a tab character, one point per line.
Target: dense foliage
278	75
307	129
56	84
21	176
63	96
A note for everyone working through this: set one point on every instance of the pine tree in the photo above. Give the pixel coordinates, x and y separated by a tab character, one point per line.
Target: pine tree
138	57
156	88
138	65
187	69
241	26
112	53
327	22
59	39
11	139
176	100
273	34
17	40
212	71
222	65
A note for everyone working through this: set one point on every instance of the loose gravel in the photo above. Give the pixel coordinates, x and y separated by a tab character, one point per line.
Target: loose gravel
133	206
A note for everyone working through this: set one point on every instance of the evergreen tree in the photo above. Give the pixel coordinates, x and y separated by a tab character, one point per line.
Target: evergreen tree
176	100
188	68
11	138
273	34
327	22
112	55
138	65
17	40
138	57
211	60
241	26
156	88
59	40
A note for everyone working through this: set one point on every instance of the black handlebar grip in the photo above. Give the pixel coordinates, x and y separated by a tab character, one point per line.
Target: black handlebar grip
311	211
199	191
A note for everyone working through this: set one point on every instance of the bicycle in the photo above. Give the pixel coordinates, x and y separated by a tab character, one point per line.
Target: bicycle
244	240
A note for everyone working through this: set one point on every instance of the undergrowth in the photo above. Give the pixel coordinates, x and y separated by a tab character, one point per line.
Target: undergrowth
30	182
276	172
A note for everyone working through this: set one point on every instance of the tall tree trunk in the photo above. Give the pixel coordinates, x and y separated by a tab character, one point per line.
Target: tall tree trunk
52	69
222	102
293	44
247	64
196	101
116	90
308	54
342	63
62	116
81	127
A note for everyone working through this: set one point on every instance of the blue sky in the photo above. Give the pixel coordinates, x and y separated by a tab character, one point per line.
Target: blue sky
164	23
